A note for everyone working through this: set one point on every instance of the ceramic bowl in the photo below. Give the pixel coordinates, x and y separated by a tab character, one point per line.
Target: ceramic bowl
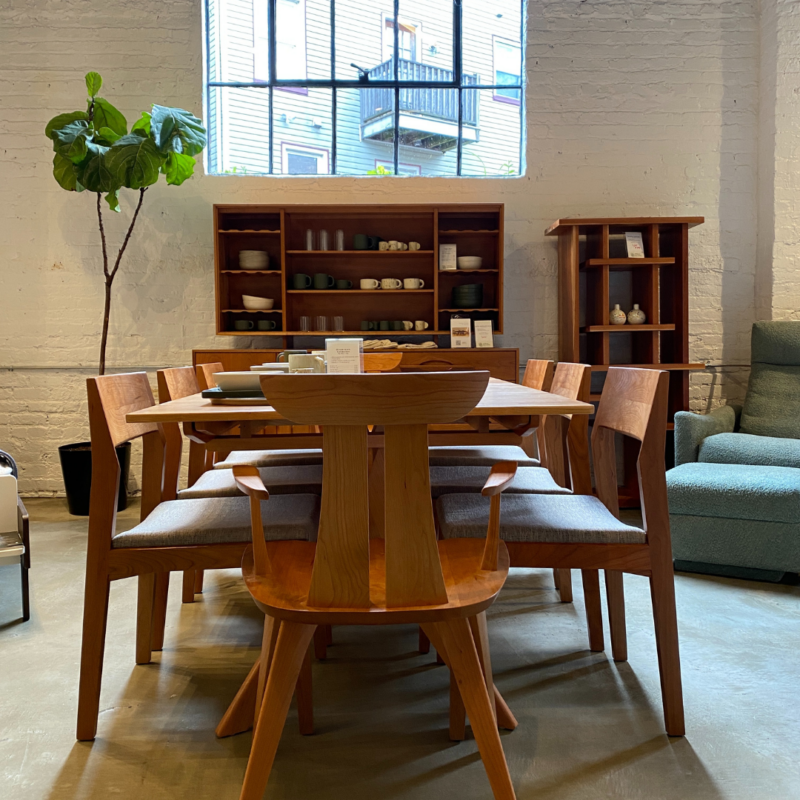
275	367
257	303
469	262
238	381
253	259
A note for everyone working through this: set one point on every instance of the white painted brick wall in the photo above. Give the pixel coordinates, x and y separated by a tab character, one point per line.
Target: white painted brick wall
634	107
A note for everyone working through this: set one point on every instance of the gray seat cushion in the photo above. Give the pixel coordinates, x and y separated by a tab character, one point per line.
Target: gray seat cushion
745	448
479	456
271	458
735	491
455	480
179	523
278	480
578	519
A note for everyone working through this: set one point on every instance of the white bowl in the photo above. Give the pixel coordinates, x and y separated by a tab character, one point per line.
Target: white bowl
469	262
238	381
276	367
253	259
257	303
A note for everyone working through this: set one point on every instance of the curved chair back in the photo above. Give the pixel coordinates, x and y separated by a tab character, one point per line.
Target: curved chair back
404	403
205	374
538	374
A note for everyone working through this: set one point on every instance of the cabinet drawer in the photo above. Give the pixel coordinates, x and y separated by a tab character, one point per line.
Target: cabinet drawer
500	363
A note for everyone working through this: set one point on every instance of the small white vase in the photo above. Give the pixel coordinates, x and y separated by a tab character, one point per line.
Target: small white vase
617	316
636	316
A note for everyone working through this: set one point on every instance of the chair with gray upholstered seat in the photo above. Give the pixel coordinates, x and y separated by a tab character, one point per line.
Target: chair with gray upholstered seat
280	480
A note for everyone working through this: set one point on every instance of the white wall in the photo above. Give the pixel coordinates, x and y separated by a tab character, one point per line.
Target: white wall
634	107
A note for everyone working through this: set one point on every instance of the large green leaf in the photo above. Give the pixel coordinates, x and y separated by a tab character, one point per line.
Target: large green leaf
71	140
142	124
64	173
94	172
93	83
106	116
63	119
177	131
112	198
107	136
134	161
178	168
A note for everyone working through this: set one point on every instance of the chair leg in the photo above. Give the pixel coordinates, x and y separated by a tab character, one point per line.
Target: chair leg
480	634
144	618
160	610
464	662
199	574
95	616
594	608
662	592
424	642
293	642
187	593
458	713
615	597
269	639
565	585
304	694
26	597
320	643
238	717
328	634
555	578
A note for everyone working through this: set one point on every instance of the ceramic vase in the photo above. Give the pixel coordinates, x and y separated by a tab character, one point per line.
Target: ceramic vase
617	316
636	316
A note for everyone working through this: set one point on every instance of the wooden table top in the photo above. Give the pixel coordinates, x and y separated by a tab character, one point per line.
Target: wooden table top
500	399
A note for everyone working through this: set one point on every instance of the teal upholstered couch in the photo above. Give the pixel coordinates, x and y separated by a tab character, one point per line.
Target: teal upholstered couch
734	495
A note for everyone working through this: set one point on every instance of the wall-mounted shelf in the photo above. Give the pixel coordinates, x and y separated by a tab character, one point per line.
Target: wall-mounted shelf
625	263
251	232
349	253
626	328
250	272
385	292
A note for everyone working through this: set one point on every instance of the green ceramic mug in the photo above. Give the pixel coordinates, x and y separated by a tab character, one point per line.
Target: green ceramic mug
344	284
244	325
301	281
323	281
266	325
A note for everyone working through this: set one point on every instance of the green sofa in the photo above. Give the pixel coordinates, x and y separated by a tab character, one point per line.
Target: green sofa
734	494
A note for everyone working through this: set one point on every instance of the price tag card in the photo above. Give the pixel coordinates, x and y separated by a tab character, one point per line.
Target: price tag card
635	245
483	333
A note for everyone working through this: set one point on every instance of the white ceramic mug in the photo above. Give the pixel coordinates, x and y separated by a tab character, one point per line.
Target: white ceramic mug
413	283
391	283
383	245
369	283
402	246
413	246
420	325
408	325
306	361
393	244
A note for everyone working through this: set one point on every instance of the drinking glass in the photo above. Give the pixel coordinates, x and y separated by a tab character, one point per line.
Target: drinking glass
309	239
324	242
320	323
339	236
305	323
338	323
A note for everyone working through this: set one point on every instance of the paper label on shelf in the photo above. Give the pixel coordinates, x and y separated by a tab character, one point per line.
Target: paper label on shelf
460	333
635	245
483	333
344	356
447	257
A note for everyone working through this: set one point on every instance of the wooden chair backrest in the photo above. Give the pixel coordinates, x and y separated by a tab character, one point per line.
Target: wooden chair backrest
205	375
111	397
538	374
634	404
404	404
173	384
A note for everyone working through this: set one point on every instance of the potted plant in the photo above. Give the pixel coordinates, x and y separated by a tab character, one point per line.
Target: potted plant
95	152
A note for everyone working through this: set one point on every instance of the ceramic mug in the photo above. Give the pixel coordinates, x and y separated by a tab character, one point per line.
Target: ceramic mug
419	325
266	325
394	244
363	242
396	325
284	355
369	283
367	325
391	283
383	325
402	246
306	361
344	284
383	245
323	281
413	246
244	325
413	283
408	325
301	281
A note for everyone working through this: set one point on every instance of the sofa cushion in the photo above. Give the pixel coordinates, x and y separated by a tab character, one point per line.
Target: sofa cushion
735	491
744	448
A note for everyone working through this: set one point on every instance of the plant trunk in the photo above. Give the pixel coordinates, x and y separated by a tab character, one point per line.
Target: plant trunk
104	338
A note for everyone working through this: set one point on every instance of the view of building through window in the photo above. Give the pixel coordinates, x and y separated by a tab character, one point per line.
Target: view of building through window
365	87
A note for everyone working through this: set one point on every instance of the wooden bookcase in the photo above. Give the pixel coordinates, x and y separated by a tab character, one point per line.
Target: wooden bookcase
594	273
280	230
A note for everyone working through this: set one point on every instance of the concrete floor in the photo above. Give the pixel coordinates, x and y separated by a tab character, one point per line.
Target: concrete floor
589	728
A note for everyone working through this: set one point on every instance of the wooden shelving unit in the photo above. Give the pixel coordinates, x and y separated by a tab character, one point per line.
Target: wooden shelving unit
476	230
594	273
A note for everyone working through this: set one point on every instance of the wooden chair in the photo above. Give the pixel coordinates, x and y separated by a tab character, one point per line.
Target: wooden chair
346	579
173	536
579	531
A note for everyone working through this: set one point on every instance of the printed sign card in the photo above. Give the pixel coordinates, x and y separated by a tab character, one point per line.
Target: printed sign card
635	245
447	257
460	332
345	355
483	333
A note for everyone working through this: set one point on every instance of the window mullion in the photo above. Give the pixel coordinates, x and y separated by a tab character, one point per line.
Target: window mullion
334	91
396	59
458	77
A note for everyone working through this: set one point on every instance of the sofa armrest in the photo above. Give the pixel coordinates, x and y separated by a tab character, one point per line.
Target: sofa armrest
691	429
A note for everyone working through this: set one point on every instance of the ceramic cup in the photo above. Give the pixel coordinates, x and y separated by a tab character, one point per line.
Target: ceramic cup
419	325
363	242
283	356
266	325
383	245
402	246
301	281
393	244
244	325
413	246
408	325
323	281
383	325
396	325
369	283
306	361
391	283
413	283
344	284
367	325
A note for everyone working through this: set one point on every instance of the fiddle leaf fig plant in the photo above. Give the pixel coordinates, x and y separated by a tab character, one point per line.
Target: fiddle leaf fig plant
95	152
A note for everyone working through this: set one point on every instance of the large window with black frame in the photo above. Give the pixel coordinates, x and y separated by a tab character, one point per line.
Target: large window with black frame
365	87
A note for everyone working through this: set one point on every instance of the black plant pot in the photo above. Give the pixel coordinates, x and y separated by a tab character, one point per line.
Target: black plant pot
76	467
